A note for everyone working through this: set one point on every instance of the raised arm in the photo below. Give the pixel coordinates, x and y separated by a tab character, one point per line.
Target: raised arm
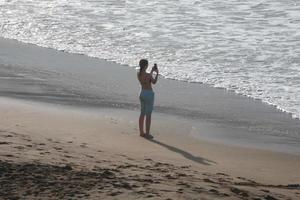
154	80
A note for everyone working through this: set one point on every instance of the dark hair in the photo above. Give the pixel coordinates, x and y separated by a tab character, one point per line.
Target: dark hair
143	64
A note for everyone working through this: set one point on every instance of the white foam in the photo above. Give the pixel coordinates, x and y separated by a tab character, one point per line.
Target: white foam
252	48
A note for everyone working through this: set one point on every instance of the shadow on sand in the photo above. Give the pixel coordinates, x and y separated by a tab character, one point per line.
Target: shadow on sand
185	154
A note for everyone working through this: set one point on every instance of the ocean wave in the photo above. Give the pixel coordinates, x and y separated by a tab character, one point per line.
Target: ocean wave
252	48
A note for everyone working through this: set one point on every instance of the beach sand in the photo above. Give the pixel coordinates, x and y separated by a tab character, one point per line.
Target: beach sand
69	131
47	75
53	151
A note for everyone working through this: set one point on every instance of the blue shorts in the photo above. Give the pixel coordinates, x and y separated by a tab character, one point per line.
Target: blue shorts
147	101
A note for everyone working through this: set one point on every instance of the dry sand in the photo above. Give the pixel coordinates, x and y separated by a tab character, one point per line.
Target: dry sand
52	152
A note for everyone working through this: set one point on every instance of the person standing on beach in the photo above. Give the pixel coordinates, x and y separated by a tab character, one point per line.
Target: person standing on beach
146	96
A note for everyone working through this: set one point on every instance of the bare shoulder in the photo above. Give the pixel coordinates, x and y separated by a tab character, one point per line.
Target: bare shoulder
148	74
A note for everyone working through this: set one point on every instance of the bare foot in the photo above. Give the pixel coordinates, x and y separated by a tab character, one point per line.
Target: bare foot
148	136
142	134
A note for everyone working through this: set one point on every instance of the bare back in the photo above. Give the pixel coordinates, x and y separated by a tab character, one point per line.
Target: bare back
145	80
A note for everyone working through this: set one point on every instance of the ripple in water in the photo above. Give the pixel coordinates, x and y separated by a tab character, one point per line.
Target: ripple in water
252	48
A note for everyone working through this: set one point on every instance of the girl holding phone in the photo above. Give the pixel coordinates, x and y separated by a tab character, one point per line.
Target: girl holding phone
146	96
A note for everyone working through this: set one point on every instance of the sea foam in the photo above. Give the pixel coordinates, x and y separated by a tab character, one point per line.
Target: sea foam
252	48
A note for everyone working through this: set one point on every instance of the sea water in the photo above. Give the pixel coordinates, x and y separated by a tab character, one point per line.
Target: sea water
250	47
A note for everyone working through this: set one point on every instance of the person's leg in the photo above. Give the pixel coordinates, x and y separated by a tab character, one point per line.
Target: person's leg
148	112
148	123
142	115
141	124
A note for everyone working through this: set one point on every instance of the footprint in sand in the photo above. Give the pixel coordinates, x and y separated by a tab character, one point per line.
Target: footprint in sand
7	136
213	186
207	180
51	140
19	147
198	189
14	133
141	192
83	145
68	156
239	192
269	197
183	184
169	176
57	148
185	166
115	193
224	180
8	155
131	159
216	192
180	190
222	174
149	196
5	143
181	174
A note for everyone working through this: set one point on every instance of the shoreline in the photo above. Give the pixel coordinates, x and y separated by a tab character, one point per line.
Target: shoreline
45	146
42	74
232	92
70	117
110	62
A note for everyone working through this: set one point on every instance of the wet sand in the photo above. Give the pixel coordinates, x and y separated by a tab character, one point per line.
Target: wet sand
47	75
69	130
50	152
